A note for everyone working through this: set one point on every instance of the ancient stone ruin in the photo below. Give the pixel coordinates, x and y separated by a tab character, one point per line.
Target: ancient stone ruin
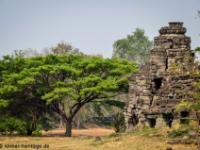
160	85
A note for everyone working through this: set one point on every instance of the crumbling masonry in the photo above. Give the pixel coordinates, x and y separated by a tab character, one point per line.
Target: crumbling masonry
160	85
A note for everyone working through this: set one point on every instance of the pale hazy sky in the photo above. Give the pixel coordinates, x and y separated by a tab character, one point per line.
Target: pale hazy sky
90	25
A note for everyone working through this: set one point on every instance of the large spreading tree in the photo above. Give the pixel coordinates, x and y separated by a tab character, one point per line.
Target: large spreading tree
65	82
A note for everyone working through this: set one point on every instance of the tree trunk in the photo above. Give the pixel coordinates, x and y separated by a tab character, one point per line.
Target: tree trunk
68	131
29	132
78	124
61	124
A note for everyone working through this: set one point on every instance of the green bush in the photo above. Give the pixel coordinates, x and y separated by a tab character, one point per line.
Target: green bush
119	123
183	130
12	125
46	123
37	132
177	133
2	127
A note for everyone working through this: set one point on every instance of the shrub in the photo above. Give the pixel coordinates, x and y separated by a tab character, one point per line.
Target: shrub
37	132
184	129
2	127
119	123
177	133
46	123
12	125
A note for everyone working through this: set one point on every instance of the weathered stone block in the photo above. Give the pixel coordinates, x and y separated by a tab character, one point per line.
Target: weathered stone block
160	123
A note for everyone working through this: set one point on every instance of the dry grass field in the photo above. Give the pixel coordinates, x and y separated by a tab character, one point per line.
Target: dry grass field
91	139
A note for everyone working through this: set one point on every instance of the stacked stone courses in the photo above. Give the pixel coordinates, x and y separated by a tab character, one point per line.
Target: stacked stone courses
159	86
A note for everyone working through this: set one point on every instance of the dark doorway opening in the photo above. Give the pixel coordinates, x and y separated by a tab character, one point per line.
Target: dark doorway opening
152	122
184	119
134	120
168	119
157	83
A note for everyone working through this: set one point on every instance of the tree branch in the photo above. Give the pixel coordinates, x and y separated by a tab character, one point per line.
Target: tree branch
88	99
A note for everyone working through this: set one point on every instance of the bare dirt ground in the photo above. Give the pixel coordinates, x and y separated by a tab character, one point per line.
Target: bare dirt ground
89	139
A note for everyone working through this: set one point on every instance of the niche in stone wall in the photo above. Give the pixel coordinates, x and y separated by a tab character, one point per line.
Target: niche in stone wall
157	83
152	122
133	120
168	117
184	117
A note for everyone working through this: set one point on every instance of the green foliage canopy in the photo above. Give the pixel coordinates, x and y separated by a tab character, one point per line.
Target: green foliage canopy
65	82
134	47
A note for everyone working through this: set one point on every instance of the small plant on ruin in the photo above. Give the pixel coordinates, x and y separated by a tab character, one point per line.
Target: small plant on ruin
176	69
119	123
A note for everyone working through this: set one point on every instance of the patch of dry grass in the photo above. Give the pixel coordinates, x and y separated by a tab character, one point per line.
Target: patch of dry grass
91	132
85	140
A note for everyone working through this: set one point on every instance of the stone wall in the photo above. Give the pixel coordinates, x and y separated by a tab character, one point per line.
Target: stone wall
160	85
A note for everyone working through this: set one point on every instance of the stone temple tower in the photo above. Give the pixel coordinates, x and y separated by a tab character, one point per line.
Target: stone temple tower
160	85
